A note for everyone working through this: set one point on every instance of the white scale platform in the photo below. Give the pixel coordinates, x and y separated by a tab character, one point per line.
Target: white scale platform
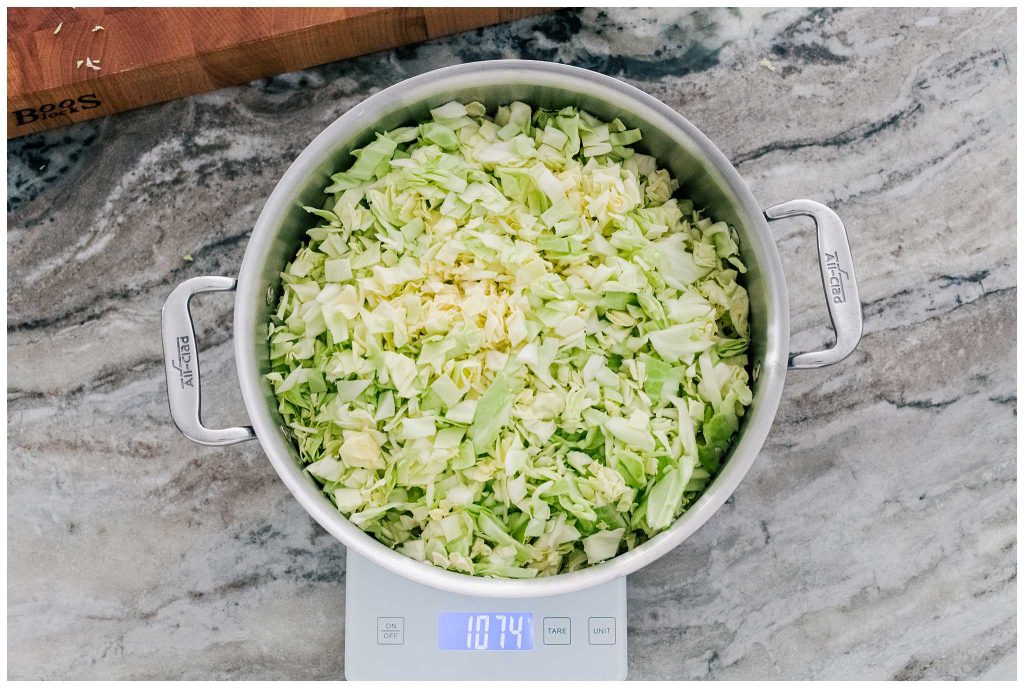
395	629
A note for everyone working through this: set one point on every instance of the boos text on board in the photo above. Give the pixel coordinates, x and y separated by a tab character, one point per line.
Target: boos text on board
25	116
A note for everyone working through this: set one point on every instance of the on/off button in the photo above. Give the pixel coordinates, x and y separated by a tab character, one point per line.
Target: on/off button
390	630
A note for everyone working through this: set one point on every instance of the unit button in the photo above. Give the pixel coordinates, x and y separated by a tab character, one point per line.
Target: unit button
390	630
557	630
602	630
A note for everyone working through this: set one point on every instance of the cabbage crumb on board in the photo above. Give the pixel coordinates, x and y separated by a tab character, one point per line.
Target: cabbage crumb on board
507	349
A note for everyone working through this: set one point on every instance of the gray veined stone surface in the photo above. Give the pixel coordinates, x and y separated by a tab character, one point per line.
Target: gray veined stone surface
875	536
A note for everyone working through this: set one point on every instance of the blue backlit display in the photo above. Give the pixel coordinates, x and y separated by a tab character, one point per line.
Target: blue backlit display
485	631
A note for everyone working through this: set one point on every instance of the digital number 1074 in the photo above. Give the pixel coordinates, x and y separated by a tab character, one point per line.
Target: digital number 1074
478	631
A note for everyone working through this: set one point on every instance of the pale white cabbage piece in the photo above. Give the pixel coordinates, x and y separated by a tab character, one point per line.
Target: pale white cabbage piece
508	348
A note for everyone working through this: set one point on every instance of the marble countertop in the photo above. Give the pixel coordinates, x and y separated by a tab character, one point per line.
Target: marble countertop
874	537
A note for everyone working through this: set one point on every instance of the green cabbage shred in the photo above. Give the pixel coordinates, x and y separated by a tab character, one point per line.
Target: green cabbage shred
507	348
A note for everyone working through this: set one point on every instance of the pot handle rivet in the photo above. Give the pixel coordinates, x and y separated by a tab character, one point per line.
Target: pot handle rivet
181	363
837	278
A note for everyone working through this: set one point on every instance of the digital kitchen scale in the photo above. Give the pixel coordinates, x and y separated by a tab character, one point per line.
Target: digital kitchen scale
398	629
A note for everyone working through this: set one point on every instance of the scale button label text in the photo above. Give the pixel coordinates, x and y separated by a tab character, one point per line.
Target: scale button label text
602	630
557	630
390	630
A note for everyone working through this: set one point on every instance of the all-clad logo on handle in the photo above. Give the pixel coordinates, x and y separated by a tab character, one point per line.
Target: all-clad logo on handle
186	374
25	116
837	277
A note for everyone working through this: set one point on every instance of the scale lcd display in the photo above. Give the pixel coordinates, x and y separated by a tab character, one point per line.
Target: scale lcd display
485	631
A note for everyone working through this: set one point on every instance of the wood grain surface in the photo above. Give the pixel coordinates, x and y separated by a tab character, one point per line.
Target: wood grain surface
151	55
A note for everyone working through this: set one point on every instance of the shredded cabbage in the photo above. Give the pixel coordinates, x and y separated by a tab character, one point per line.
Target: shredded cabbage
507	348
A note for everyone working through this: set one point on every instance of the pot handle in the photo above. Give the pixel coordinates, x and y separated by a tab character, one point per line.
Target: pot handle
837	278
181	364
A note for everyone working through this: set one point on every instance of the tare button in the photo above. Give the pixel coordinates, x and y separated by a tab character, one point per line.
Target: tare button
390	630
602	630
557	630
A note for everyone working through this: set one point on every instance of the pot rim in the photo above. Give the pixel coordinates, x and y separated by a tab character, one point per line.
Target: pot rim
574	79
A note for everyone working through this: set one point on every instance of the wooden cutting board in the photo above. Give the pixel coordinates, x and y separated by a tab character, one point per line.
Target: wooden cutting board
143	56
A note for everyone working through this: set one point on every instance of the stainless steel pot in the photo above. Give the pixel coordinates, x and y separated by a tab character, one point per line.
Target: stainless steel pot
706	176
